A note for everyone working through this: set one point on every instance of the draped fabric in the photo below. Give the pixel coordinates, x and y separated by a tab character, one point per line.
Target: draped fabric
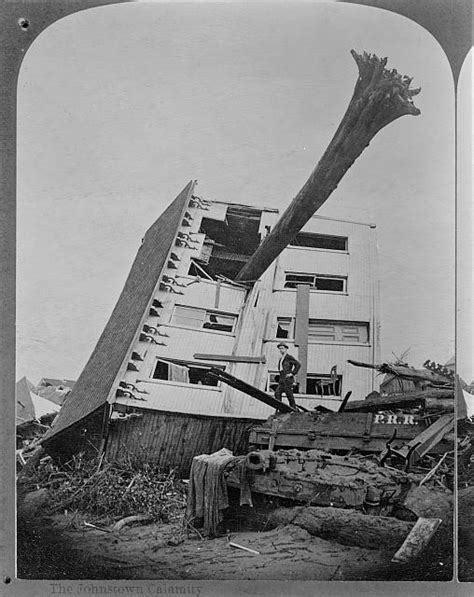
207	495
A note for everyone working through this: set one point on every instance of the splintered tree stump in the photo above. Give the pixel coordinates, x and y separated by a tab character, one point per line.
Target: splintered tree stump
348	527
380	96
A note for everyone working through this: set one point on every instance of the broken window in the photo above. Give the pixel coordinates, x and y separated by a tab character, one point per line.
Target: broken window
193	317
230	243
272	382
321	282
184	372
317	384
323	385
284	327
320	241
325	330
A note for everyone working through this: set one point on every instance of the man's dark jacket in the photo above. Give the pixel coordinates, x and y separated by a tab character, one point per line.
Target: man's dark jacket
289	365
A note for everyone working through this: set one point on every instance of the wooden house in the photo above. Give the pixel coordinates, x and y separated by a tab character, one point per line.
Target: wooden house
146	387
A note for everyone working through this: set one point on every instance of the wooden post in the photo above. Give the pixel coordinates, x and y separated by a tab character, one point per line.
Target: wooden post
380	96
301	333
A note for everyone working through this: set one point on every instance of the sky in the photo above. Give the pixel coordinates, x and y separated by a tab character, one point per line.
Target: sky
119	107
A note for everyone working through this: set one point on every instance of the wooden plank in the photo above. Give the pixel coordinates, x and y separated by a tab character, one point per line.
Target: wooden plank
428	438
230	358
417	540
301	333
246	388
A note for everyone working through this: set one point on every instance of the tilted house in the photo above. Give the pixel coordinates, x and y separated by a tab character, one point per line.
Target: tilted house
146	385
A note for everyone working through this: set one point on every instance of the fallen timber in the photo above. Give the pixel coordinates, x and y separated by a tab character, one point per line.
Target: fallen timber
348	527
380	96
405	372
441	400
247	388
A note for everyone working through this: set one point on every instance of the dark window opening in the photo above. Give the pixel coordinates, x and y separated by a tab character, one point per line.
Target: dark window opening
317	281
320	241
284	327
333	284
185	372
230	243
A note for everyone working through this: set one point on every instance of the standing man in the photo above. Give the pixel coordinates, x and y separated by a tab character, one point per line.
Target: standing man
288	367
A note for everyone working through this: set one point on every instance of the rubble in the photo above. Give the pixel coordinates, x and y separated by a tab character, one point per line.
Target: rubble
108	491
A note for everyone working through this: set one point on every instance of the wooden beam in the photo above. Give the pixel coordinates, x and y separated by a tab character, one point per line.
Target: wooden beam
250	390
301	333
230	358
380	96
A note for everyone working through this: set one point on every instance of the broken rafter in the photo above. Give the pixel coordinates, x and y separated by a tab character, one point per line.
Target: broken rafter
380	96
405	372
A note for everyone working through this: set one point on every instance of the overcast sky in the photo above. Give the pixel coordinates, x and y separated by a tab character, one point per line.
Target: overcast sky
119	107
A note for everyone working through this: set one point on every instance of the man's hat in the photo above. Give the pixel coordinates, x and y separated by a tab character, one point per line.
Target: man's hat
282	344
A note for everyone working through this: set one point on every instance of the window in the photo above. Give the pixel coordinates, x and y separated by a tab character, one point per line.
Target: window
324	330
338	331
184	372
320	241
317	384
284	327
323	385
317	281
192	317
189	317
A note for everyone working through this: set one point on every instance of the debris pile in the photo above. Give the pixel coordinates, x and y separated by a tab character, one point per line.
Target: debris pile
109	491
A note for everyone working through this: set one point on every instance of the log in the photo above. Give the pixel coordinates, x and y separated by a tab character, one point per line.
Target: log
348	527
380	96
434	398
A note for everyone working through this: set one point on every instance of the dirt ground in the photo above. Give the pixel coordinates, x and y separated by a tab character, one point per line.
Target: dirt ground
61	547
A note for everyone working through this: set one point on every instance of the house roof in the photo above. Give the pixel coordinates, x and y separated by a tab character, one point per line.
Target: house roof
52	393
43	406
96	380
52	381
30	406
25	411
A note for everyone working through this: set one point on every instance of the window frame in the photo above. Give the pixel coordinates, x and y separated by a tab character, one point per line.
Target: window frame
206	314
321	376
312	284
318	235
338	324
189	365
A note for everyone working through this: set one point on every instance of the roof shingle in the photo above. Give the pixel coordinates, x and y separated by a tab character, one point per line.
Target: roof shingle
96	380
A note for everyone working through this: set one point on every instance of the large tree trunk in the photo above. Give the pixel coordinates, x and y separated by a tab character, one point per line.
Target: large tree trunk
348	527
380	97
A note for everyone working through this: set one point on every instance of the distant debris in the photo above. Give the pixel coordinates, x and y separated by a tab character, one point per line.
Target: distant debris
55	390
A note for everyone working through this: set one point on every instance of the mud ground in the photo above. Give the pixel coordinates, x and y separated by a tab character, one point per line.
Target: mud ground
61	547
